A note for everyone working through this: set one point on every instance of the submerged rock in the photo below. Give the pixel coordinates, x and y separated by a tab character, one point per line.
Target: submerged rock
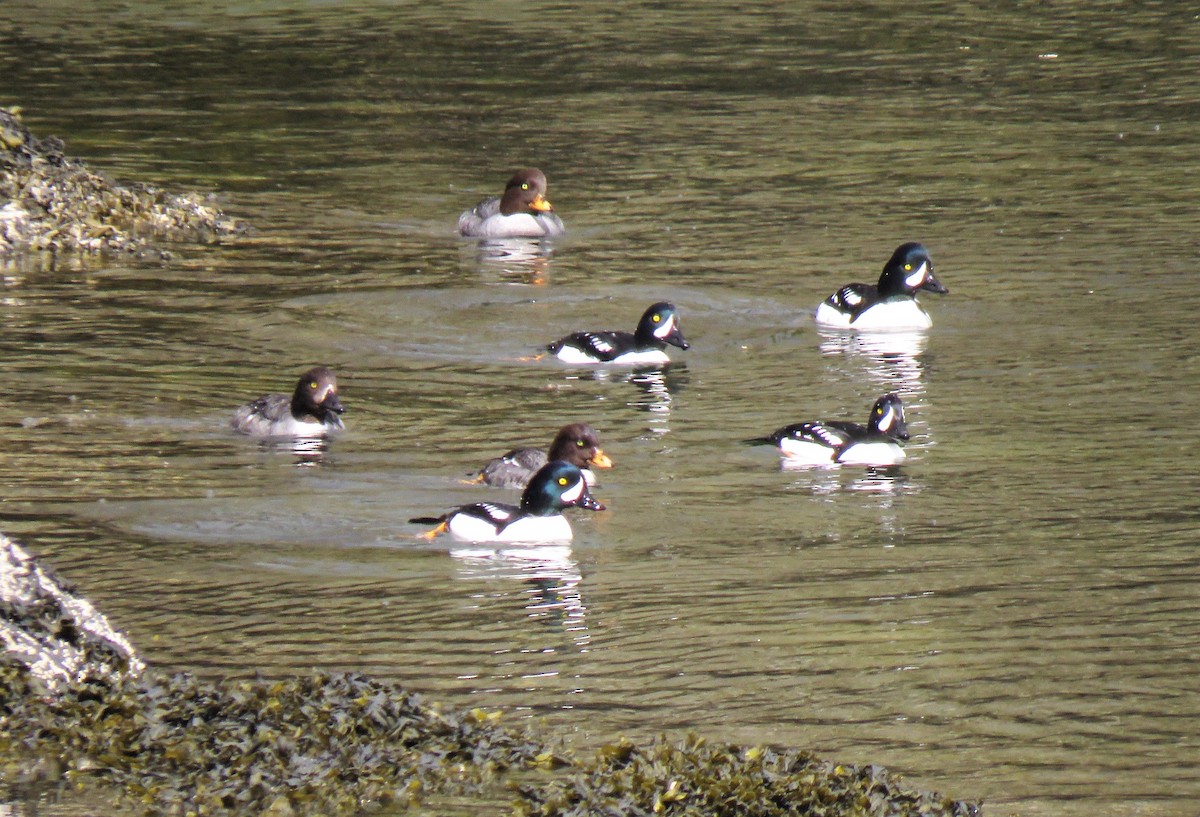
77	705
49	202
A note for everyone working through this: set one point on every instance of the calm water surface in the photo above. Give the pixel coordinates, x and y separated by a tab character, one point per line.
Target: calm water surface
1012	615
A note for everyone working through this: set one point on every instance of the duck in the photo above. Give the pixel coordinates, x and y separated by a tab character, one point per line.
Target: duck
556	486
890	304
825	442
312	410
576	443
645	346
522	212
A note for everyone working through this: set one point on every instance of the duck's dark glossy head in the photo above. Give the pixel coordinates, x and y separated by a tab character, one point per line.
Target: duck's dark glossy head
909	270
887	417
556	486
659	326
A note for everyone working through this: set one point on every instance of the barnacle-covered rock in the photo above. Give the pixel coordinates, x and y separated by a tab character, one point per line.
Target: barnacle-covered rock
57	635
49	202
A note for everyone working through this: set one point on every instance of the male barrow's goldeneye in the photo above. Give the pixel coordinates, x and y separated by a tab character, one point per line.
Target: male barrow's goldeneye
311	411
539	518
646	346
826	442
891	304
522	212
576	443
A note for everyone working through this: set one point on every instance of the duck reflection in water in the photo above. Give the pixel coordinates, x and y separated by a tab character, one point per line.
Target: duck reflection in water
876	492
883	480
549	580
307	452
515	260
310	453
892	360
657	388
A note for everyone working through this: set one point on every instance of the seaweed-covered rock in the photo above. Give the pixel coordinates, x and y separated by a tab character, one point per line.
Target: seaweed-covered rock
698	779
317	745
54	203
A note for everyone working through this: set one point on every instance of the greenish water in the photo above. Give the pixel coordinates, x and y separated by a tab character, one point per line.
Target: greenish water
1012	616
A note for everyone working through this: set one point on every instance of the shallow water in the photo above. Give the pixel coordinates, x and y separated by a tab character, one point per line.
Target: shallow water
1009	616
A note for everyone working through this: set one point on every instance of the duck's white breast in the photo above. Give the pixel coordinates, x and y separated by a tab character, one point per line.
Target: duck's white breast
904	314
648	357
538	529
288	426
872	453
518	225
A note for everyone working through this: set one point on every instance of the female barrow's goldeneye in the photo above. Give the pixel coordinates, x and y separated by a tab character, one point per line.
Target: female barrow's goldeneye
646	346
311	411
522	212
891	304
539	518
576	443
826	442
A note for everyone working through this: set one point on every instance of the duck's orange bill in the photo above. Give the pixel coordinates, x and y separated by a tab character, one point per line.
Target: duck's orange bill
601	460
541	204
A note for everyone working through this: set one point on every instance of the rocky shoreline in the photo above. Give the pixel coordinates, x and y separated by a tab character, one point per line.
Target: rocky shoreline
53	203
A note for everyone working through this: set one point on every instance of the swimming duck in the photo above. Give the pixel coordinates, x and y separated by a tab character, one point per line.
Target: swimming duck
522	212
892	303
557	485
311	411
825	442
646	346
576	443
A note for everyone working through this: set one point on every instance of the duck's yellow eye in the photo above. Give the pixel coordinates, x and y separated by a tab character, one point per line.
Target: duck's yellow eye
579	443
524	185
313	385
908	267
563	480
879	411
657	318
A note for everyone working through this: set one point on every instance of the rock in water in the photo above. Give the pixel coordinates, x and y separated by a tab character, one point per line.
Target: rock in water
50	202
58	636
